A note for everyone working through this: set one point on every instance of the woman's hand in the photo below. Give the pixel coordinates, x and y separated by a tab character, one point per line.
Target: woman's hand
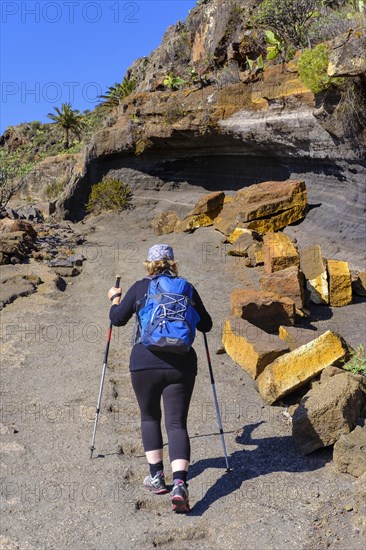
113	292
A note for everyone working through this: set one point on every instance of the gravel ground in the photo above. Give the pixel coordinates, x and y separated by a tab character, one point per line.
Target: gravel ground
55	497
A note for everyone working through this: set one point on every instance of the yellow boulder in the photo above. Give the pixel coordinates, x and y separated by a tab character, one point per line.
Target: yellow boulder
277	221
279	252
293	370
165	222
340	283
264	207
251	347
263	309
237	233
313	267
194	221
203	214
297	336
212	202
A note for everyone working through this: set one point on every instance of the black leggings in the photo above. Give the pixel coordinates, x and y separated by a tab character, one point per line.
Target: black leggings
176	387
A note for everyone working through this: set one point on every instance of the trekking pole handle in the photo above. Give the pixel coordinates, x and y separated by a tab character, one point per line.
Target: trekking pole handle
208	358
116	285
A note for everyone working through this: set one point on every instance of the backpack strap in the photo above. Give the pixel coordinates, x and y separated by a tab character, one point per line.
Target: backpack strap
139	302
135	339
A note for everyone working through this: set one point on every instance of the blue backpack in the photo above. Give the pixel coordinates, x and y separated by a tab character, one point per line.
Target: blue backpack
168	320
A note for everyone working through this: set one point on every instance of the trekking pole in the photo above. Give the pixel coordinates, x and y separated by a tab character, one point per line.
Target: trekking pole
228	469
97	410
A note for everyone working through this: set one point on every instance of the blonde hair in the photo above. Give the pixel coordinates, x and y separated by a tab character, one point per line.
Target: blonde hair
158	266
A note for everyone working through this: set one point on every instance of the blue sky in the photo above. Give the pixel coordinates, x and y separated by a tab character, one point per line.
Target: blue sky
72	50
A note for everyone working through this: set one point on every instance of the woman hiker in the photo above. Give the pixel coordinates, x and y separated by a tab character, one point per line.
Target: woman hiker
156	374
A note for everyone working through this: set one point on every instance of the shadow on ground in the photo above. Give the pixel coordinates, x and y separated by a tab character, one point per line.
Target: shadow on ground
273	454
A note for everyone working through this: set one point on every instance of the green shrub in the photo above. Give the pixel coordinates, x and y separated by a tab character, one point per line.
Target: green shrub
289	19
35	125
313	65
334	22
357	363
109	194
76	147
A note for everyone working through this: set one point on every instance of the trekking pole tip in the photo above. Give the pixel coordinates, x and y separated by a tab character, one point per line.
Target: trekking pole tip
91	452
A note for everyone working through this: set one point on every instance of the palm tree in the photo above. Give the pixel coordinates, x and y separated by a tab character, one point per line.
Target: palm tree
111	96
114	94
68	119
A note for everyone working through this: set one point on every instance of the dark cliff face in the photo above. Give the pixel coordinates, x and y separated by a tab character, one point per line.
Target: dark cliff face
231	127
213	33
223	138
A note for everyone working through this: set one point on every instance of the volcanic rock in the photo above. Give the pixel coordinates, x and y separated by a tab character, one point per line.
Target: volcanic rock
47	208
263	309
359	284
327	411
13	287
241	246
240	232
347	56
294	369
286	282
165	222
17	240
340	286
313	267
249	346
67	271
203	214
61	262
296	337
210	204
77	259
255	254
30	213
246	243
15	246
349	452
279	252
10	226
11	213
264	207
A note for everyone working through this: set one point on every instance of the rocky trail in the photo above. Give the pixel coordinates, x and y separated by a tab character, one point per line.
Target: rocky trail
55	497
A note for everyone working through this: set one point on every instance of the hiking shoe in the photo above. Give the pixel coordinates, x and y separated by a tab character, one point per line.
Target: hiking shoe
156	484
180	497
